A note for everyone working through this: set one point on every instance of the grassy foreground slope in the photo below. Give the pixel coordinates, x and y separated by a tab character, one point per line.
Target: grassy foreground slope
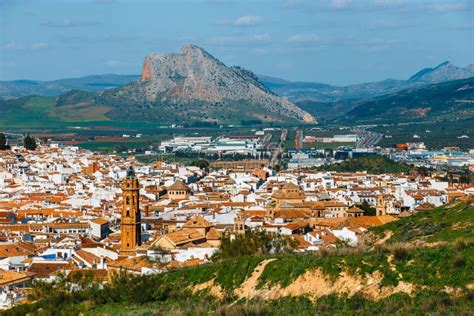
431	272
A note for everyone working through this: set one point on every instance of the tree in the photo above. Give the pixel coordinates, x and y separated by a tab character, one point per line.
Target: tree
3	142
368	210
29	142
202	164
253	243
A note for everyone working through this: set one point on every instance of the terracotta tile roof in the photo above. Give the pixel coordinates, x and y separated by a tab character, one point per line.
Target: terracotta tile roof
301	243
213	234
100	221
197	222
86	256
13	277
291	213
178	186
251	213
11	250
43	270
184	236
134	264
370	221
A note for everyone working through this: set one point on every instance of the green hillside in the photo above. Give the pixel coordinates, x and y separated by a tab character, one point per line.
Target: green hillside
78	106
442	101
373	165
449	223
447	100
415	277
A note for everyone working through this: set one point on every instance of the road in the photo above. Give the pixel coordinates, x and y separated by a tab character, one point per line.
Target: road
277	149
299	139
368	139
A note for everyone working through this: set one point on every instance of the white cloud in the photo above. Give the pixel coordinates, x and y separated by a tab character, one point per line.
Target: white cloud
38	45
246	20
303	38
67	23
340	4
112	63
390	4
30	46
449	6
243	39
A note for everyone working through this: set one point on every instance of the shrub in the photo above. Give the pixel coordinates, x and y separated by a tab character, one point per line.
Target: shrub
459	262
400	253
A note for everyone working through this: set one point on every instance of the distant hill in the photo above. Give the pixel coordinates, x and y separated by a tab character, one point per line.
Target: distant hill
294	91
443	72
319	92
21	88
441	101
193	86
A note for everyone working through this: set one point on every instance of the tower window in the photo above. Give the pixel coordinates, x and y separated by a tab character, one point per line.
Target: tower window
127	200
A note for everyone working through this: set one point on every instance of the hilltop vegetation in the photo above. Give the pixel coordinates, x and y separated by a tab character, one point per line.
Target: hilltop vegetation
375	278
433	134
447	100
442	224
373	165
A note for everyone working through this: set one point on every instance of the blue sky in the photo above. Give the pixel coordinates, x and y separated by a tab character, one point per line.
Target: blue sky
331	41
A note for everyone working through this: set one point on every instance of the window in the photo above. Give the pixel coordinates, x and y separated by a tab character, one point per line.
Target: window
127	201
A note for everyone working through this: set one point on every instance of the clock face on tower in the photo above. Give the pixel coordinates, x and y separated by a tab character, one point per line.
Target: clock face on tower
130	223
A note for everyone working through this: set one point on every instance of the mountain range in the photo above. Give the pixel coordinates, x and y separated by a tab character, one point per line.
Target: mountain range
22	88
293	90
320	92
193	86
445	101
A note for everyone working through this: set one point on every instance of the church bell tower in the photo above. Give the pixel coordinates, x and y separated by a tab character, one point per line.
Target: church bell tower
130	224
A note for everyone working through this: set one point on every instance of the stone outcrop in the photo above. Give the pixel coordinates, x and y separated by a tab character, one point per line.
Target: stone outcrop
195	75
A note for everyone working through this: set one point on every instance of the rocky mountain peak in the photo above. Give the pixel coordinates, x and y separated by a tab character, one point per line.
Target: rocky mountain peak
190	49
445	71
194	75
444	64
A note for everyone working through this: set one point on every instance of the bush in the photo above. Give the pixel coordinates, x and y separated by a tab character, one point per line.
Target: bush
459	262
29	143
253	242
400	253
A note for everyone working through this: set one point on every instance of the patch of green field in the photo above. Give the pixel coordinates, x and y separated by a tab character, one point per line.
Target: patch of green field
433	134
111	146
319	145
289	143
80	113
33	113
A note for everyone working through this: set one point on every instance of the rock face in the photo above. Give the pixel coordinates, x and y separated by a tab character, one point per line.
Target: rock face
194	75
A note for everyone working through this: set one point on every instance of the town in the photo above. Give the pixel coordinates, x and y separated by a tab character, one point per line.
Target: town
64	209
222	157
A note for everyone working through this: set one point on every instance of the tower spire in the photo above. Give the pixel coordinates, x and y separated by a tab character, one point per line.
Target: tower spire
131	217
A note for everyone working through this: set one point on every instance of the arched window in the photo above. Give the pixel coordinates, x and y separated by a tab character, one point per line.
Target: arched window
127	200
